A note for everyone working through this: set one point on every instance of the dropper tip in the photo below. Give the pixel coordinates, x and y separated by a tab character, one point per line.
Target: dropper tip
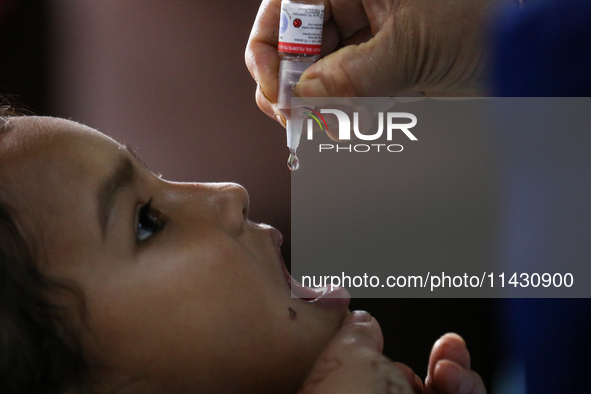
293	163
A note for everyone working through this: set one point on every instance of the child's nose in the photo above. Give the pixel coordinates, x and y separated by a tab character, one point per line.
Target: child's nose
231	199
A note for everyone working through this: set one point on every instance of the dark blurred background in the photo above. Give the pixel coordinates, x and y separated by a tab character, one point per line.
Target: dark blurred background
168	78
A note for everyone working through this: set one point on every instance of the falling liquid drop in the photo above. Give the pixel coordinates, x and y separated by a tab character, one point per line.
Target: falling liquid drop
293	163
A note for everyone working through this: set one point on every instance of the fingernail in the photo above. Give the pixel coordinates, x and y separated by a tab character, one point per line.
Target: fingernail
358	317
418	381
310	88
263	93
456	336
280	119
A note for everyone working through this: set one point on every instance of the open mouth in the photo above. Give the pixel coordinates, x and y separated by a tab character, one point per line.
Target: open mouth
300	291
329	295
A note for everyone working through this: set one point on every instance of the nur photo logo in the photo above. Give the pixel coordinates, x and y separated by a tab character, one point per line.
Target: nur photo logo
389	124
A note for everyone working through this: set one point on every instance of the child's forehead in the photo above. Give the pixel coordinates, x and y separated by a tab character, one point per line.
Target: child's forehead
30	137
53	165
33	130
38	153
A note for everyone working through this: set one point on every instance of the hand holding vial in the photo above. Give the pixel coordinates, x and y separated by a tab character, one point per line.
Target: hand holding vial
379	48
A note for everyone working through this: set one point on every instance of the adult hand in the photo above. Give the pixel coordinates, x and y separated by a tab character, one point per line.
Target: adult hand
449	368
353	363
380	48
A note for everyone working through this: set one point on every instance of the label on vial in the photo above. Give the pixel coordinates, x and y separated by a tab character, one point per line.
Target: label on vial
300	28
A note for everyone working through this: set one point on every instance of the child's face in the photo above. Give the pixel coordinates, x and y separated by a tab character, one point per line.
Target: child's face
183	294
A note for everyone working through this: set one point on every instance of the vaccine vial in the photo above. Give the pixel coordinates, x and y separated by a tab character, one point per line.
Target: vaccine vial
300	40
300	30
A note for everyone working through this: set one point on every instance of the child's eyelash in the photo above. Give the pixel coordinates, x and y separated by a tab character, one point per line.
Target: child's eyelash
149	222
147	206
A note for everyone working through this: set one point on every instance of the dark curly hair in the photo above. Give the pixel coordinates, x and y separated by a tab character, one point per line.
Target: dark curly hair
39	353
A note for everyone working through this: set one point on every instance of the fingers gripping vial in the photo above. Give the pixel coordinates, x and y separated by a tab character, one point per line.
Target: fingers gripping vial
300	38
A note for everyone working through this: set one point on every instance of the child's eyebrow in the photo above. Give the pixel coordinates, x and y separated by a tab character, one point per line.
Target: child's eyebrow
122	177
132	152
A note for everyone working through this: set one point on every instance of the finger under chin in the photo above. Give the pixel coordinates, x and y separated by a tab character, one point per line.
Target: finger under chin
357	332
451	378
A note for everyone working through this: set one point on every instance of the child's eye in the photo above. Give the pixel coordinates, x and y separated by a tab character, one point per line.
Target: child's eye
148	223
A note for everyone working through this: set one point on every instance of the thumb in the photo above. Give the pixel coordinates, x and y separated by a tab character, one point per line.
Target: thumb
364	70
361	329
352	362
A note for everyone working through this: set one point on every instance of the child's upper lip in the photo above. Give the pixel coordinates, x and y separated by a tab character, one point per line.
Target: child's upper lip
277	239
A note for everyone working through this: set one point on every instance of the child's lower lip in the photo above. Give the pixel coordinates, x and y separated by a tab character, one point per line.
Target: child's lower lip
327	297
